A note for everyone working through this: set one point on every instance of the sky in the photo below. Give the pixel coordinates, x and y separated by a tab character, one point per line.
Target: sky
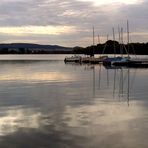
70	22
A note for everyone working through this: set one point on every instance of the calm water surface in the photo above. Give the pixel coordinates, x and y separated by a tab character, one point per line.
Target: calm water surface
45	103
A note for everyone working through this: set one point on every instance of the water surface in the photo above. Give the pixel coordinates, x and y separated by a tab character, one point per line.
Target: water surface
47	103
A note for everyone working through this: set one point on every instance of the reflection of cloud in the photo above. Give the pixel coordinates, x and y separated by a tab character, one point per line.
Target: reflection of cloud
35	76
14	119
102	114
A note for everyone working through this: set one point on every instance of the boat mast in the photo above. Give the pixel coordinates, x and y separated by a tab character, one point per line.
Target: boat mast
119	32
93	41
107	37
128	37
105	44
114	42
98	39
122	41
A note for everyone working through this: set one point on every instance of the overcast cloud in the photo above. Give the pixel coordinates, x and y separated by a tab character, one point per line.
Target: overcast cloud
79	16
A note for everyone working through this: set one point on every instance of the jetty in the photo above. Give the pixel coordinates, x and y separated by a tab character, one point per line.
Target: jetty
121	60
87	59
83	59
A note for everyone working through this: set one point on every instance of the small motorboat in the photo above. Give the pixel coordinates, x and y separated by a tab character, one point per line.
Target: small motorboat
74	58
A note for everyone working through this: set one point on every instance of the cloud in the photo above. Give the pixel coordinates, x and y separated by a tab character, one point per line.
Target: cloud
105	2
47	12
77	16
40	30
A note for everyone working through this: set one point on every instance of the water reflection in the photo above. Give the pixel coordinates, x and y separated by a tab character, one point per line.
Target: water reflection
50	104
122	81
31	71
35	76
102	114
14	118
117	79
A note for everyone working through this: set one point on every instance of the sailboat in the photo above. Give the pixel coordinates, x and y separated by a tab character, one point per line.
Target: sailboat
124	61
75	58
81	59
119	60
128	62
92	59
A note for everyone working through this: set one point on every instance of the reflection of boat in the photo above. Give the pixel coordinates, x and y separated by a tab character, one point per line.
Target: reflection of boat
138	64
112	67
128	64
74	58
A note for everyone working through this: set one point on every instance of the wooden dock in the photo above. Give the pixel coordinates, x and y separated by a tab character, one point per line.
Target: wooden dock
135	63
93	60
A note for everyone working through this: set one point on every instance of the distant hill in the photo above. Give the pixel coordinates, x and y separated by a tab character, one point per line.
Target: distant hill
33	46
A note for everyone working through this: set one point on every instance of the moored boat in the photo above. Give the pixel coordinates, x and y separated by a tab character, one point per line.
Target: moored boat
74	58
97	60
121	61
114	60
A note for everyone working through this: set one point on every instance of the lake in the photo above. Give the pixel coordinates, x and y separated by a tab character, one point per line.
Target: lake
45	103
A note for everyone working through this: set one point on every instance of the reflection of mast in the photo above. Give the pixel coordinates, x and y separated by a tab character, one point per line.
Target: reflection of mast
128	86
107	78
122	86
94	84
133	79
114	88
100	76
121	83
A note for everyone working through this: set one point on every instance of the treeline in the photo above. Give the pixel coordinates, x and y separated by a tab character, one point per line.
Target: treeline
110	47
113	47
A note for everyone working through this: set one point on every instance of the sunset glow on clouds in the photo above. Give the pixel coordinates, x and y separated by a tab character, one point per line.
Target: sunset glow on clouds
69	22
106	2
42	30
